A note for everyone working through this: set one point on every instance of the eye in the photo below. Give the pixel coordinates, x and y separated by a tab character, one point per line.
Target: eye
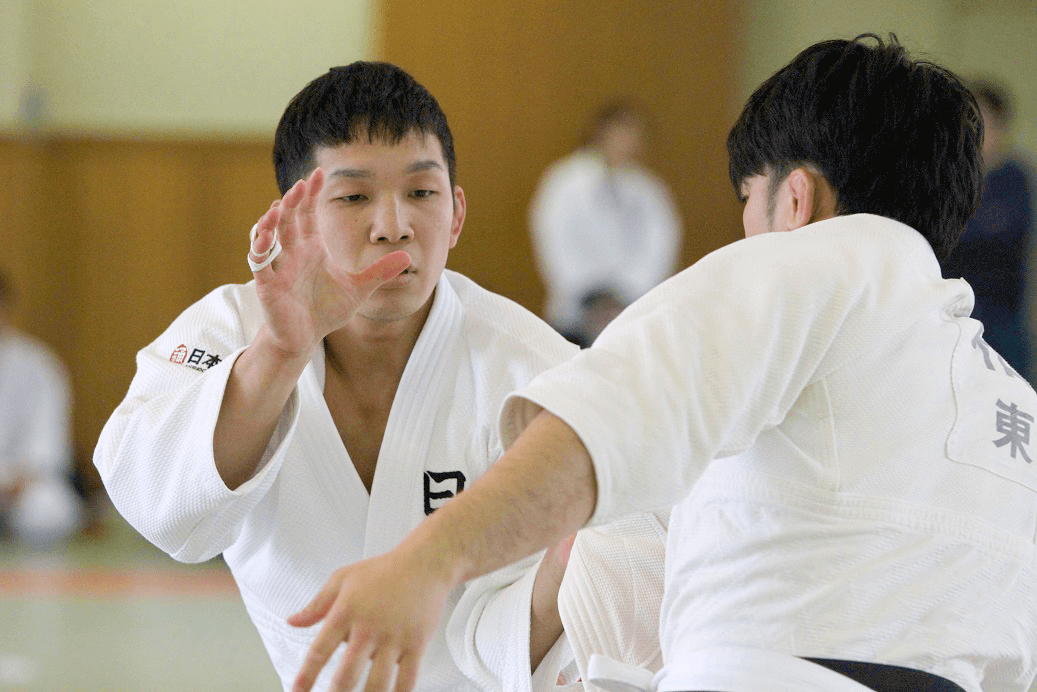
422	194
352	198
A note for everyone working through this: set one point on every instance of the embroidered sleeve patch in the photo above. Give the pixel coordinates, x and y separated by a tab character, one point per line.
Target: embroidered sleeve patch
195	358
996	410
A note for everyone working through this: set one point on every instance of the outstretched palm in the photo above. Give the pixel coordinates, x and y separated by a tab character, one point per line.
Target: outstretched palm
304	295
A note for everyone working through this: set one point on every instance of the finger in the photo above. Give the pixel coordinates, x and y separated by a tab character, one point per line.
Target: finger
383	666
290	227
331	635
317	608
314	184
358	652
295	194
407	673
381	271
265	233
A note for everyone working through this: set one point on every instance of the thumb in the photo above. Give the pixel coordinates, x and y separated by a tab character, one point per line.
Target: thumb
386	268
315	611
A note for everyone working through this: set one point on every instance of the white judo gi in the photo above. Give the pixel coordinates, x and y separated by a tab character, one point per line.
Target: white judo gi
595	228
852	464
611	595
36	439
306	512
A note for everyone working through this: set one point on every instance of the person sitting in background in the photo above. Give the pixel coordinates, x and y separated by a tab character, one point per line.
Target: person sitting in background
993	253
602	224
38	505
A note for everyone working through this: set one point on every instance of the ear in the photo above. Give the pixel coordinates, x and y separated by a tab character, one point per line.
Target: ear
805	197
795	204
459	212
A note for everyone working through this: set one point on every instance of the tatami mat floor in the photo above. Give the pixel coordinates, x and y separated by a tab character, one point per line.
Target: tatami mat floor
113	613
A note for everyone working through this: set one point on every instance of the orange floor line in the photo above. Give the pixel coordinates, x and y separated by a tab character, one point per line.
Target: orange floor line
91	582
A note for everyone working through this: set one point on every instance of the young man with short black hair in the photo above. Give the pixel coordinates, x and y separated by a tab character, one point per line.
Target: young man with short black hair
848	461
311	418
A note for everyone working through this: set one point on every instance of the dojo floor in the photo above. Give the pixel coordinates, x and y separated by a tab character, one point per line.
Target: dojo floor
113	613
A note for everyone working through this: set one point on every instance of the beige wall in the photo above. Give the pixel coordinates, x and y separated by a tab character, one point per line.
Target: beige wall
779	29
155	66
14	57
999	40
975	38
229	67
519	82
153	158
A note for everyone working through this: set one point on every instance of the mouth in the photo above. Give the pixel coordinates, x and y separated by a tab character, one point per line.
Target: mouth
403	276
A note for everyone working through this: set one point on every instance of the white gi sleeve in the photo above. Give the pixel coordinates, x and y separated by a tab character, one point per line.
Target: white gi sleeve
698	367
155	453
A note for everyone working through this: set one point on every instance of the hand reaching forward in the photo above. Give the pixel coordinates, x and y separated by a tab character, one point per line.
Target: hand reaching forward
305	296
386	610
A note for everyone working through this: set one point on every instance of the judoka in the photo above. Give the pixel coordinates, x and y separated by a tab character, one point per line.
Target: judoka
850	464
314	416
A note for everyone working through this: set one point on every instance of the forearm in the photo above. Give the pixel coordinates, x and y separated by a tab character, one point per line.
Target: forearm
539	492
260	383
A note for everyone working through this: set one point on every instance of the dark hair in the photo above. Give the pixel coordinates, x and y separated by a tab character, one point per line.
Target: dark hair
994	98
375	99
8	293
893	136
621	109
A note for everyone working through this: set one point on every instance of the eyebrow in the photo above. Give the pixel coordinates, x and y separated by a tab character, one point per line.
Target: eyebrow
363	173
425	165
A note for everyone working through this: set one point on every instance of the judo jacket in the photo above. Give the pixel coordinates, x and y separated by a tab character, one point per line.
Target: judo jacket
306	512
850	464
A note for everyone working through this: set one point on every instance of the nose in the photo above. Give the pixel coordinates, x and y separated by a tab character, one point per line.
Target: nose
389	223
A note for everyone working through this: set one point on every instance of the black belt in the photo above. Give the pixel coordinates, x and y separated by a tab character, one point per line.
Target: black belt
883	678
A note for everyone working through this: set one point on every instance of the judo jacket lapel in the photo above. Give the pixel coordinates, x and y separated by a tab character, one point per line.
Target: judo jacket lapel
405	490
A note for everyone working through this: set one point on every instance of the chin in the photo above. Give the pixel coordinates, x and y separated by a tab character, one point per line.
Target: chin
395	308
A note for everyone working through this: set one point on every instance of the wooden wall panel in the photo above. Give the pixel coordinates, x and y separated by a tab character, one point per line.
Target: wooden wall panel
113	238
110	239
519	80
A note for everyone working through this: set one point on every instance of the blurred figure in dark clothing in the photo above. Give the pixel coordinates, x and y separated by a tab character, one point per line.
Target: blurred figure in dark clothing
993	252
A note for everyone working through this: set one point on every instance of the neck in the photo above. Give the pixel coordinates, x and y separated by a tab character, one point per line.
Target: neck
366	349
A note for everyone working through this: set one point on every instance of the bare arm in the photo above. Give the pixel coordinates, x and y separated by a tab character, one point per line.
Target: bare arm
260	383
305	297
545	621
538	493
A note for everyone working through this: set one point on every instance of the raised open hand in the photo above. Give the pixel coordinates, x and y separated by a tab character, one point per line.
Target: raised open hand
305	296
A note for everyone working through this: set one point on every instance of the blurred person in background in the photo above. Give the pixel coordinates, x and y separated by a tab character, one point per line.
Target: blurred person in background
38	505
605	229
992	254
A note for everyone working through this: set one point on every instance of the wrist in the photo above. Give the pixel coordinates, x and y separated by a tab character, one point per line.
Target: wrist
436	553
275	356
